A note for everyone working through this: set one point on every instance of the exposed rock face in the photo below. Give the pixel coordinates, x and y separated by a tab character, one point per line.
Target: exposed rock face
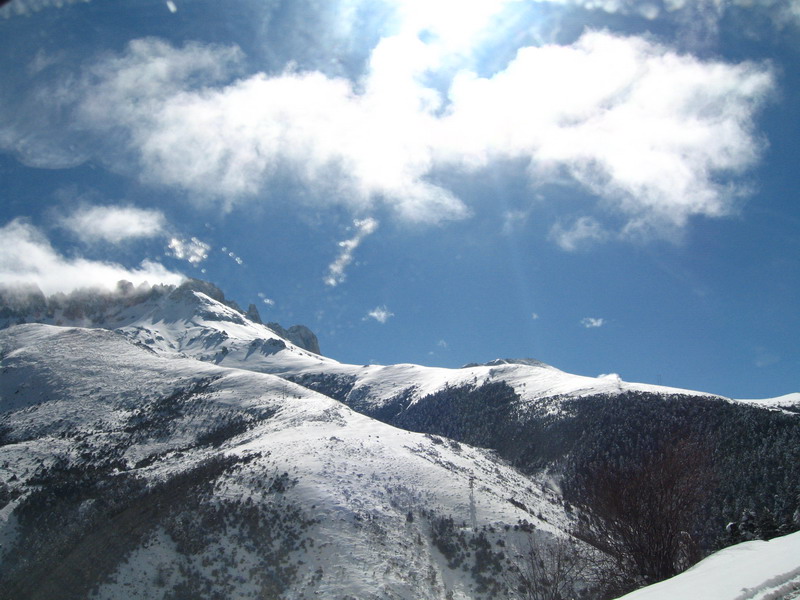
300	335
253	315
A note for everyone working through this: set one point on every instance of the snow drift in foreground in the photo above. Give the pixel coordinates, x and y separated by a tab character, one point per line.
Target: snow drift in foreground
754	570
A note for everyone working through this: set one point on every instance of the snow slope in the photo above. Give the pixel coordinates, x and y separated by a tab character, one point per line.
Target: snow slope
754	570
362	498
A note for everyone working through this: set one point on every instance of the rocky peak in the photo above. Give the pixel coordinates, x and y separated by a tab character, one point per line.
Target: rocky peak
299	335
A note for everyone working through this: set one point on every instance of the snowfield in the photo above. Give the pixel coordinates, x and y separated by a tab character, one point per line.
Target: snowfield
754	570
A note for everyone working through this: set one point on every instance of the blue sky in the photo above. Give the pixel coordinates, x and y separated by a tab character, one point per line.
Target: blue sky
606	186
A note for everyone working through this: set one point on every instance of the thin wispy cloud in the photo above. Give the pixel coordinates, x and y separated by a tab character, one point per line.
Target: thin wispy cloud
583	232
765	357
27	257
380	313
337	269
514	220
114	224
26	7
782	12
592	322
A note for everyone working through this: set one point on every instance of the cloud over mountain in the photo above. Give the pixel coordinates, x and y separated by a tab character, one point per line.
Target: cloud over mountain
27	257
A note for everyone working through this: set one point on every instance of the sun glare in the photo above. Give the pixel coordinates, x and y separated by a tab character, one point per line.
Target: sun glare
455	26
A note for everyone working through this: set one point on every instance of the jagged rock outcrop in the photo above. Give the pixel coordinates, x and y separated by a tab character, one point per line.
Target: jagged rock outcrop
299	335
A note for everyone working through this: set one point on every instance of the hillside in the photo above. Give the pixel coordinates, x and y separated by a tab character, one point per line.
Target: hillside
166	471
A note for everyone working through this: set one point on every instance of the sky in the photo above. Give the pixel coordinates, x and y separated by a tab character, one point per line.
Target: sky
608	186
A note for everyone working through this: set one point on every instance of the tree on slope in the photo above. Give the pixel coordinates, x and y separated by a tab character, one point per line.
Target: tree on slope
642	510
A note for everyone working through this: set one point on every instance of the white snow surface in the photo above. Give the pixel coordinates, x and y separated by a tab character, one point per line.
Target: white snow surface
754	570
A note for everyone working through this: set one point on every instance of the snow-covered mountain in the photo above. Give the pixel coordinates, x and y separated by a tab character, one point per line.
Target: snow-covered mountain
131	469
196	321
162	443
227	483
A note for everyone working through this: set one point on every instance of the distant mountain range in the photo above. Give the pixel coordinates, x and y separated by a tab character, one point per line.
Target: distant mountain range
160	442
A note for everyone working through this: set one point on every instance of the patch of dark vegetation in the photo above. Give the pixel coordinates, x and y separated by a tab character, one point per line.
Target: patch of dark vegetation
750	463
6	437
514	562
268	531
471	414
230	427
159	417
471	551
7	494
334	386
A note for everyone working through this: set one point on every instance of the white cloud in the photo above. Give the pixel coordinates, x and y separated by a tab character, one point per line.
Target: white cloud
592	322
192	250
649	131
114	224
26	257
228	142
380	313
535	316
656	136
336	270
